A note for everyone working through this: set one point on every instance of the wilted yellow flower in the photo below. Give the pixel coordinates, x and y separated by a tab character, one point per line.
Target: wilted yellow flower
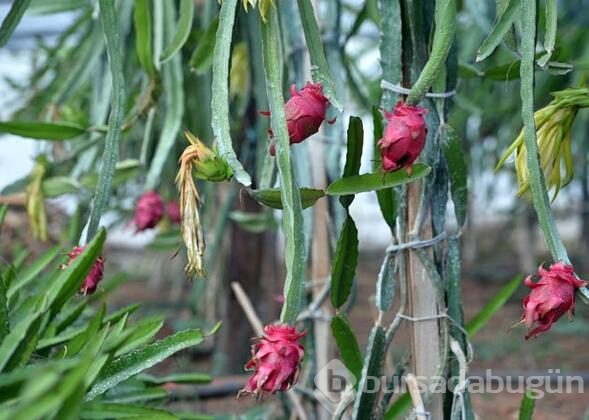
553	132
204	163
192	233
36	200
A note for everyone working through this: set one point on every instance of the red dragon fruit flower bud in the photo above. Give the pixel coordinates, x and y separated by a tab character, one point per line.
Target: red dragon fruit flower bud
173	212
276	360
305	112
149	211
94	276
403	138
551	297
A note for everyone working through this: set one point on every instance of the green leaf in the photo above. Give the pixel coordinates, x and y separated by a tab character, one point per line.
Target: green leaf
50	402
372	368
72	404
361	17
353	154
182	30
376	181
504	72
44	7
107	286
9	273
557	68
138	395
42	130
140	334
143	30
386	197
400	406
72	332
12	383
10	22
4	324
33	391
68	281
77	343
110	156
69	315
347	344
272	197
292	215
319	67
344	265
17	339
220	89
202	57
457	170
173	86
468	71
550	35
87	57
526	411
385	284
102	410
3	211
499	30
137	361
454	299
59	185
176	378
485	314
124	171
32	272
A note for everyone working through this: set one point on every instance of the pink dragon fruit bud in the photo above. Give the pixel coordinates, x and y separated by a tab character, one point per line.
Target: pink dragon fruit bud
94	276
551	297
305	112
276	360
403	138
173	212
148	211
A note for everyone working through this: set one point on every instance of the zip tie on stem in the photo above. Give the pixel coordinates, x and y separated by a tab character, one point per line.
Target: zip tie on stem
417	244
404	91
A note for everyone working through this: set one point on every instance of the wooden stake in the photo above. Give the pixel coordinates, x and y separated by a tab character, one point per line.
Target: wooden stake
425	338
321	267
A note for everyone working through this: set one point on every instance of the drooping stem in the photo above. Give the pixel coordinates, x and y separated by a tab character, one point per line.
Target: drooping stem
536	179
110	155
443	37
220	89
292	215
